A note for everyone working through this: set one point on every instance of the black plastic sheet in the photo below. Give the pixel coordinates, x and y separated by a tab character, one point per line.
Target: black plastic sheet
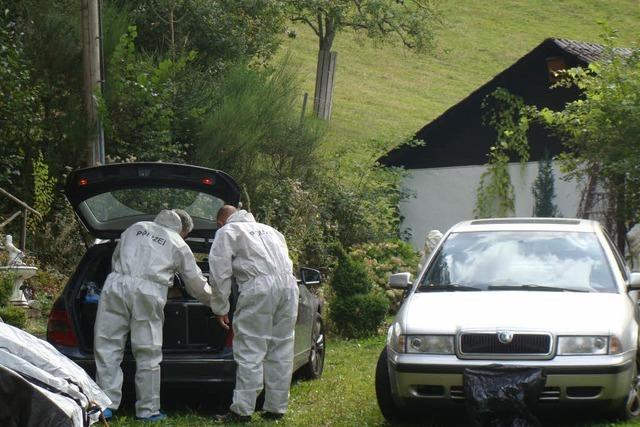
501	396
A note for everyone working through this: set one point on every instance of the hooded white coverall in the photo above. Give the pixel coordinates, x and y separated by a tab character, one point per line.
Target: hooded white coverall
256	255
132	300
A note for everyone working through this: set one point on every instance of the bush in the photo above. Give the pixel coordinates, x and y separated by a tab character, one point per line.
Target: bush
14	316
6	287
386	258
355	310
359	315
350	276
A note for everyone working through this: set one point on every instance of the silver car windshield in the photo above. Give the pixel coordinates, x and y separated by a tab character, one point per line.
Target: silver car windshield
520	260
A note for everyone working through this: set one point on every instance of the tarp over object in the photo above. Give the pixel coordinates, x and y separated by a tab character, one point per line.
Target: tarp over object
501	395
47	375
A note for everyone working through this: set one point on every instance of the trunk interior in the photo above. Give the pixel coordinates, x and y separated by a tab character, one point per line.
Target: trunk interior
189	326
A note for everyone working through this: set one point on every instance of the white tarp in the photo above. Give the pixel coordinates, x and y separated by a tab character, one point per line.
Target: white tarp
33	358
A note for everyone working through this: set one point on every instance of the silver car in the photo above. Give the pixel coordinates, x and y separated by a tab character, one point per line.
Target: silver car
553	294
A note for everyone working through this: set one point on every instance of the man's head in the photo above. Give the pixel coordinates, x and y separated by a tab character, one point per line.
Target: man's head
187	222
224	213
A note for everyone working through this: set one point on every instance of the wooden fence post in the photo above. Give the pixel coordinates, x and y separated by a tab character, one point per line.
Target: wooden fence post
325	73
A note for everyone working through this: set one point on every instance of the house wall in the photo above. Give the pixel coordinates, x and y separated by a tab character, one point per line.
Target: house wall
445	196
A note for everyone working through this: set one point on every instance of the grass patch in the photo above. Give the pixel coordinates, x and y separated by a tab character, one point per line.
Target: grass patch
344	396
386	92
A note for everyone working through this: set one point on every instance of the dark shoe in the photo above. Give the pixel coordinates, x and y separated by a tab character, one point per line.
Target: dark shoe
154	418
271	416
231	417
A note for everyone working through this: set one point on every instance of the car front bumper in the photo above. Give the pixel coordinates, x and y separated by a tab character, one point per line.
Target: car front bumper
569	378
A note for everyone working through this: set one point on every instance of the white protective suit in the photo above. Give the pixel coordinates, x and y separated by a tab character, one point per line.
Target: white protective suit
132	300
256	255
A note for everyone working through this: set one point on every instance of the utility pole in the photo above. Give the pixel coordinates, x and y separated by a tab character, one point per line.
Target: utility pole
92	77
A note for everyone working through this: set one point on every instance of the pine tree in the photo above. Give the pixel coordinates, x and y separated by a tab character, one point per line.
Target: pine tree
543	189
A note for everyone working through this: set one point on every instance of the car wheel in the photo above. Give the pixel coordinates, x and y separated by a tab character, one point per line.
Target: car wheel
388	407
629	408
314	367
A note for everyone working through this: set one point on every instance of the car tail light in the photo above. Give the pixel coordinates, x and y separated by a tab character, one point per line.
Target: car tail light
59	328
228	342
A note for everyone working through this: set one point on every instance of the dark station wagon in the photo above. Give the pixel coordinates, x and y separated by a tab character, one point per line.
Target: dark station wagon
196	349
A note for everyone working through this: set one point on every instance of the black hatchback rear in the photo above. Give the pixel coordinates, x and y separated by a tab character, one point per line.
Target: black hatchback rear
196	349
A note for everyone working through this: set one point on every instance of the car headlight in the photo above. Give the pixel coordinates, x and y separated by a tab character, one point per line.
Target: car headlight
583	345
428	344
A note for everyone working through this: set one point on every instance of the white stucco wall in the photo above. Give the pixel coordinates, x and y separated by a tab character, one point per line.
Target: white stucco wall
446	196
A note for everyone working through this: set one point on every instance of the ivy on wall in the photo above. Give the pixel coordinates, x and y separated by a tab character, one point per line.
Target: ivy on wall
507	114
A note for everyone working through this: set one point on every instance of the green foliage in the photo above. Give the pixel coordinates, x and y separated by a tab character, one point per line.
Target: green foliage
356	309
359	315
385	258
20	107
350	276
601	130
411	21
138	109
43	190
14	316
505	112
253	129
221	31
544	190
6	287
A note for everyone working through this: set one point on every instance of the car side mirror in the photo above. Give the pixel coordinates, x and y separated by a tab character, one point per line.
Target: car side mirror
634	282
400	280
310	276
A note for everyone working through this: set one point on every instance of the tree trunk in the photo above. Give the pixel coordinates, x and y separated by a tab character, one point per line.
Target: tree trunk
325	72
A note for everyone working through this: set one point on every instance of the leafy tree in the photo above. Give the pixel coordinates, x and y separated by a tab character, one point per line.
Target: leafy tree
543	189
410	21
601	131
21	111
221	31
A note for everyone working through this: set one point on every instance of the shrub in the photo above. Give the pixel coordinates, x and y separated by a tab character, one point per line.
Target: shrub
355	310
359	315
6	287
385	258
14	316
350	276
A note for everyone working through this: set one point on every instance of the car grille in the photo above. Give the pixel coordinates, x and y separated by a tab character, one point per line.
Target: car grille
488	343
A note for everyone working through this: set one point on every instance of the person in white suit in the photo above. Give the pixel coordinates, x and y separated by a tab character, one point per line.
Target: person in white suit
256	256
132	301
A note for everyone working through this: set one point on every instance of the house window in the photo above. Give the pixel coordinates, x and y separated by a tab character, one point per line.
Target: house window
555	64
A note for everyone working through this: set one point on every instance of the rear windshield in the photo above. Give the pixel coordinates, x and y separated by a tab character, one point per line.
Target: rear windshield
529	260
149	201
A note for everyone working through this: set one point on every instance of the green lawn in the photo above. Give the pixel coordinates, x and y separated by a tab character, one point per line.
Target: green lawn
387	92
344	396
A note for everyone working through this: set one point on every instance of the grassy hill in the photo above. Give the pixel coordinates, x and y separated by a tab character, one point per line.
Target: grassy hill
388	92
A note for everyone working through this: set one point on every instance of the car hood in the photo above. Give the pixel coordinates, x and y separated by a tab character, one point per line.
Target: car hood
110	198
555	312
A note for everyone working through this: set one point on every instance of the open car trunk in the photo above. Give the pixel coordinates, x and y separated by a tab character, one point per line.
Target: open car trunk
189	326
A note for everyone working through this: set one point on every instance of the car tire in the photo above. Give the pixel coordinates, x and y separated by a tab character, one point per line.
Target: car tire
388	407
312	370
629	408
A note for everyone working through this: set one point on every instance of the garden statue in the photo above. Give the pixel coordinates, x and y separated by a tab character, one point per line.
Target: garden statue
19	270
633	240
430	242
15	254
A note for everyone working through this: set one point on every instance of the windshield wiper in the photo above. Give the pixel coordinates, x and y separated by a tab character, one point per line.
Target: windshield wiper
450	287
533	287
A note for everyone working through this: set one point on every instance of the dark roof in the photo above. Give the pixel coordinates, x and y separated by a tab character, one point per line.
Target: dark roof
589	52
458	137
